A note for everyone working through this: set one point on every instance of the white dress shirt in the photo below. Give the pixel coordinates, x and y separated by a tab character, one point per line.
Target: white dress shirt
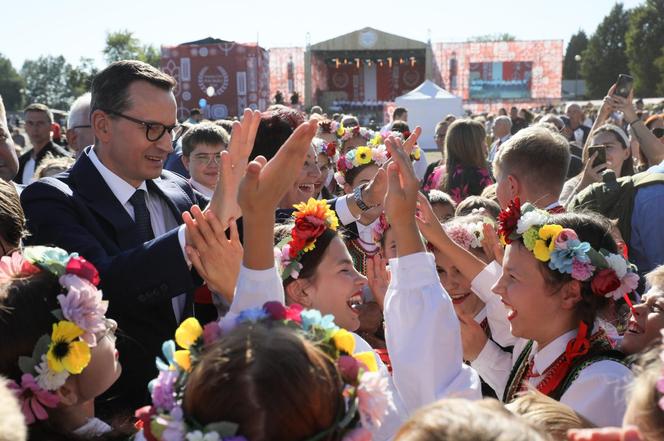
202	189
162	219
598	393
29	171
422	334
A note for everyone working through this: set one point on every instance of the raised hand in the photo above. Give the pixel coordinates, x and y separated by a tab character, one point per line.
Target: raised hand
605	434
411	141
232	167
401	199
491	244
428	222
216	258
266	183
378	278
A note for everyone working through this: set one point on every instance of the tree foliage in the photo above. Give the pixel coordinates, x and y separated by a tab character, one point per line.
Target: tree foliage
11	85
645	40
122	45
577	44
605	56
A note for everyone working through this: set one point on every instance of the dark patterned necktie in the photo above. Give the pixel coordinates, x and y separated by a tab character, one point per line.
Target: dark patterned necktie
142	216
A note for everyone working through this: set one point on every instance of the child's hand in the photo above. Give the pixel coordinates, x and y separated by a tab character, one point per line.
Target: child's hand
378	278
266	183
605	434
402	185
427	220
473	337
232	167
216	258
491	244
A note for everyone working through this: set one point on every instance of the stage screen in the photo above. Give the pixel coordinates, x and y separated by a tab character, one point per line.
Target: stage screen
501	80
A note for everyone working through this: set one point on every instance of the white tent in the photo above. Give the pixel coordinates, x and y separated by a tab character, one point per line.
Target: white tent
427	105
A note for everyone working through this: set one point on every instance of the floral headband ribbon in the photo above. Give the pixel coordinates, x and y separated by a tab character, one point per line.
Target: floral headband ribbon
467	234
366	393
365	155
311	220
66	351
609	274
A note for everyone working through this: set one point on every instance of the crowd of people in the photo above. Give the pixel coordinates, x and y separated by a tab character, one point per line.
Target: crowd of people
292	276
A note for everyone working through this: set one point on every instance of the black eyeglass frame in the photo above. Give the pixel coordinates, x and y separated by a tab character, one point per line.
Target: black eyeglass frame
149	125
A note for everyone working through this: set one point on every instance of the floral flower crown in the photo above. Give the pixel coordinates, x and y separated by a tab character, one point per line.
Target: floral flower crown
311	220
365	391
344	134
609	274
358	157
467	234
365	155
327	148
80	318
380	228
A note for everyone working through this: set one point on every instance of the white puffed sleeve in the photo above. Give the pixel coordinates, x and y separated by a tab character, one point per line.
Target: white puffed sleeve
423	336
495	310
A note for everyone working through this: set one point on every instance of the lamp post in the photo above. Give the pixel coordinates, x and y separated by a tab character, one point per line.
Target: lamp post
577	58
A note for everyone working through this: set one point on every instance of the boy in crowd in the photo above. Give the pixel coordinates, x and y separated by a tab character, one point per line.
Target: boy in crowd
201	150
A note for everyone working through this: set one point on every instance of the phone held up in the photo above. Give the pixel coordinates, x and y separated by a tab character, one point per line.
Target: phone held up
601	154
624	85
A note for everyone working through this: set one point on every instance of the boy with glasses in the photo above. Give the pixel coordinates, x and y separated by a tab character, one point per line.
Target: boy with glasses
201	150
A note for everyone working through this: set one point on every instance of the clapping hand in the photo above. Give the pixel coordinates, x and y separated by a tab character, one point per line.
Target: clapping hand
378	278
232	167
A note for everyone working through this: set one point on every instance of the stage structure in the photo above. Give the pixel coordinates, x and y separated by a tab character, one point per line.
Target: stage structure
224	76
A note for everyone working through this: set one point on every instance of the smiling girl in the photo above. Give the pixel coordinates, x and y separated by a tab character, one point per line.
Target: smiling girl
558	273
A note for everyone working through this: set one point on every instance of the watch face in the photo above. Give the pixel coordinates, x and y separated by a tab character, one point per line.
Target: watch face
368	39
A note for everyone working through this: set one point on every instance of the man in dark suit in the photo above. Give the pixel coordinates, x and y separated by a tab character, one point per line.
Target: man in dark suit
38	120
119	209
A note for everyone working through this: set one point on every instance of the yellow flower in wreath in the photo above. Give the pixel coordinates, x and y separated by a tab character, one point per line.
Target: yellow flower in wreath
188	332
363	155
546	242
66	351
344	341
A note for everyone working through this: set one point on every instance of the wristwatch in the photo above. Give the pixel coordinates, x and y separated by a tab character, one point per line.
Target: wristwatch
357	196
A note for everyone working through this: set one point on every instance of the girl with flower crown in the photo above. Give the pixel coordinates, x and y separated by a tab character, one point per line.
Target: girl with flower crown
58	349
416	309
559	273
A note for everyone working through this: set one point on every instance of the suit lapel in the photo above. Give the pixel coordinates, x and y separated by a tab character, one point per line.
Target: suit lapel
99	197
177	199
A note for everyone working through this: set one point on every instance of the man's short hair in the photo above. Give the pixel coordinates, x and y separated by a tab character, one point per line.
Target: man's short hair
399	112
12	219
206	133
79	112
110	86
195	111
39	107
537	156
317	110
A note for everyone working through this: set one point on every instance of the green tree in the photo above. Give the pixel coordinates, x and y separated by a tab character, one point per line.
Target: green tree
577	44
11	85
122	45
46	81
605	56
659	63
79	78
645	39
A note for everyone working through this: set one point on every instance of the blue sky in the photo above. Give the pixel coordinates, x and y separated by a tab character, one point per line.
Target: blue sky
76	28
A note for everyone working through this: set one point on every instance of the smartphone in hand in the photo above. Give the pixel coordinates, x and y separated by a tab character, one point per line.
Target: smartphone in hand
624	85
601	154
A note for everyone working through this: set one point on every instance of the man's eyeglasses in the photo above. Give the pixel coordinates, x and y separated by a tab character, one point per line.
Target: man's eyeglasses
207	158
658	132
153	130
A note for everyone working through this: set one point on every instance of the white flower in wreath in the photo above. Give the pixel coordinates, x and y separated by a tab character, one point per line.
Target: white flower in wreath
197	435
476	229
617	264
530	219
48	379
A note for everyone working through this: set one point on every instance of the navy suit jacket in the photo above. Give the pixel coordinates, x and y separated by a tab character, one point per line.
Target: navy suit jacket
77	211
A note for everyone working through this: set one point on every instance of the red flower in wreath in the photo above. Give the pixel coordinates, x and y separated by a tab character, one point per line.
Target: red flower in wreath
82	268
604	282
508	219
331	149
406	135
308	228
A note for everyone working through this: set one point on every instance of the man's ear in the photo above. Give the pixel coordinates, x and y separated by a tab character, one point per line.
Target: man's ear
571	295
514	186
295	293
101	125
71	136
